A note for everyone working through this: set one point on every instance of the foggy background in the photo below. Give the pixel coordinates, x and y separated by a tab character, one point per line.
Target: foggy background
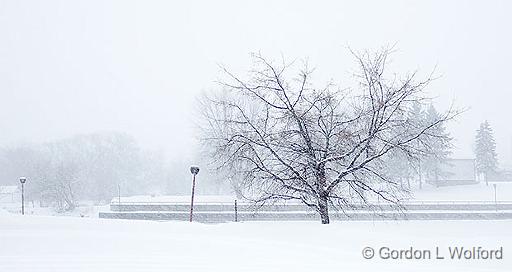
136	67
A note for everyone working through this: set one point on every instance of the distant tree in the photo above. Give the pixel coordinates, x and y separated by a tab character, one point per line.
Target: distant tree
320	146
439	148
400	168
84	167
434	146
417	116
485	150
63	186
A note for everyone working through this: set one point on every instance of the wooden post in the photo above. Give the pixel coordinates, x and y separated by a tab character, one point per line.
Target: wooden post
236	212
495	198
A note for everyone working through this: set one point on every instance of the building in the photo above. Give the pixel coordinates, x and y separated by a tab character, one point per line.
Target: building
456	172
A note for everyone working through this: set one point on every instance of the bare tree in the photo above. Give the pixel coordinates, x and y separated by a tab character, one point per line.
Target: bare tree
63	187
84	167
323	147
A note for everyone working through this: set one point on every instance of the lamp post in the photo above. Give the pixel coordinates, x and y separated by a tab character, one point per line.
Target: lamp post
22	181
194	170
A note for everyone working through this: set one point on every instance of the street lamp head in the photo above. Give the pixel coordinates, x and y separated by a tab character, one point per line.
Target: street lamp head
23	180
194	170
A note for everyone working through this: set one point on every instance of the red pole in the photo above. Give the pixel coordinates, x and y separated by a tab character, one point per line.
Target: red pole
22	199
192	200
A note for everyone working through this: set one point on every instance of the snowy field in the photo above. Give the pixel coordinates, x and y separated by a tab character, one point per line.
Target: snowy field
475	192
41	241
44	243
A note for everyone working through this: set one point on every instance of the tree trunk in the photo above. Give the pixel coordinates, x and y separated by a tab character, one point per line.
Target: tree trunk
323	209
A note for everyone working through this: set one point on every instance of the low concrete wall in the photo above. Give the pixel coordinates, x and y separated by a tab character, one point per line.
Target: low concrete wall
215	217
226	207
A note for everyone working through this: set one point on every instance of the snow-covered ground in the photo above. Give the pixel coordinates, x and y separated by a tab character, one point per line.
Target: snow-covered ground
40	241
44	243
476	192
85	209
178	198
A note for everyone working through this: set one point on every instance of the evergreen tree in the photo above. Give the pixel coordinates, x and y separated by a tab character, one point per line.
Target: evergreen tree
400	169
438	148
485	150
417	115
435	150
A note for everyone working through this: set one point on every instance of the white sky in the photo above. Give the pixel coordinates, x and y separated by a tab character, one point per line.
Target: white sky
70	67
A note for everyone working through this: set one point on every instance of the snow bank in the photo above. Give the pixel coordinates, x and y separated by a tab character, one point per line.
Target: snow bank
3	212
474	192
178	199
31	243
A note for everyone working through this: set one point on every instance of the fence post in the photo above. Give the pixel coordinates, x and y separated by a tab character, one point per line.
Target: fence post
495	199
236	212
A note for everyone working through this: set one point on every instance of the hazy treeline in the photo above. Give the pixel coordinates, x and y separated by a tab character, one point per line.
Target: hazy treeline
90	167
